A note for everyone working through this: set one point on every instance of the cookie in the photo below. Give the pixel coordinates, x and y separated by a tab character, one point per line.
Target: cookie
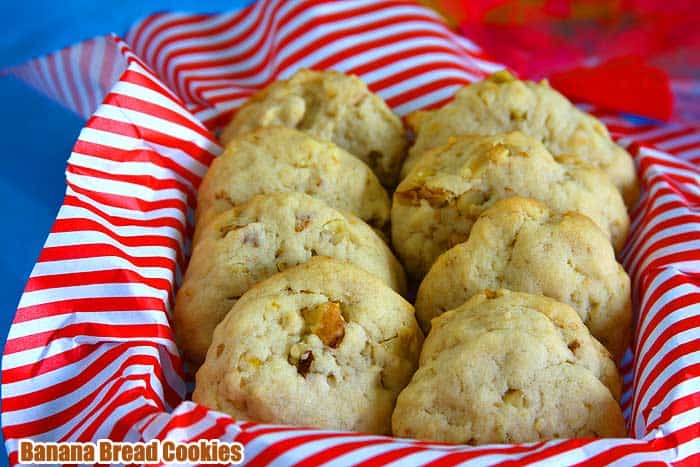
255	240
502	103
510	368
283	160
334	107
521	245
323	344
506	311
435	206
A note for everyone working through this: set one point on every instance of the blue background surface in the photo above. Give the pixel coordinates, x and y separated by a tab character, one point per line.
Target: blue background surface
38	134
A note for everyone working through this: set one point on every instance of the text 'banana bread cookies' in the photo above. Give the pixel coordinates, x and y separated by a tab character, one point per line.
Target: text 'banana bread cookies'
510	367
333	107
502	103
323	344
521	245
255	240
283	160
436	205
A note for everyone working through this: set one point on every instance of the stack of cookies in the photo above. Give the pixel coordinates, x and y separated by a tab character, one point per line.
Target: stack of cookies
512	206
509	210
292	301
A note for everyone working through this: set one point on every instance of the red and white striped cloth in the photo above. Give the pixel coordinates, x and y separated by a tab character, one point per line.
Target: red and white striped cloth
91	353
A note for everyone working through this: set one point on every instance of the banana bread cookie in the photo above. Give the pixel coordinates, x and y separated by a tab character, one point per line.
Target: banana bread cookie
435	206
521	245
323	344
502	103
283	160
510	368
252	241
334	107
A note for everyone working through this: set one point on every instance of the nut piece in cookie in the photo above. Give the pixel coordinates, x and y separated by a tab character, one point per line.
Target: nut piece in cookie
333	107
521	245
510	368
326	321
322	344
502	103
436	205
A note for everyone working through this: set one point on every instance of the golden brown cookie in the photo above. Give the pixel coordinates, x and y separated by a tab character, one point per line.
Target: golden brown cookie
255	240
521	245
334	107
324	344
510	368
274	160
437	203
502	103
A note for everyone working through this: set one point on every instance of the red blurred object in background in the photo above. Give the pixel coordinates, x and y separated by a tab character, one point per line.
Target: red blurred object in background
629	55
625	83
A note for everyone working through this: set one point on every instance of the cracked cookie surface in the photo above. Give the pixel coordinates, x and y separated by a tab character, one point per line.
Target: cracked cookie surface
333	107
502	103
323	344
283	160
521	245
252	241
436	205
510	368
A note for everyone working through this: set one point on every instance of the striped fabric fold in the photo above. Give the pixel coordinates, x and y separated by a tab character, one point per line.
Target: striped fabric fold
91	353
78	77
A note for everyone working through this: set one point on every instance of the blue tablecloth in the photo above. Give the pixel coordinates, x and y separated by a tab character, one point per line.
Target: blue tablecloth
39	134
